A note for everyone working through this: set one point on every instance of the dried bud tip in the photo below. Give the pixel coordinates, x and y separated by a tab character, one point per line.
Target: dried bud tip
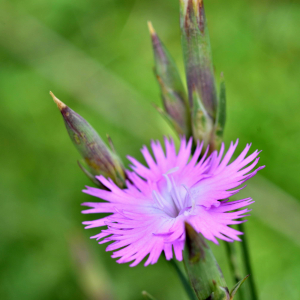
59	104
159	109
147	295
151	29
196	3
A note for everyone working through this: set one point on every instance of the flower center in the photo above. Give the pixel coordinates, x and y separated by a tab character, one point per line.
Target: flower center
172	198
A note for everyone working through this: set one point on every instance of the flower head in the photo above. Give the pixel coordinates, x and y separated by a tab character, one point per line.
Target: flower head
148	216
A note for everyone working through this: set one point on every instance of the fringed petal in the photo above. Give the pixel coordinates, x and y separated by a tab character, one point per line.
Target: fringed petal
147	218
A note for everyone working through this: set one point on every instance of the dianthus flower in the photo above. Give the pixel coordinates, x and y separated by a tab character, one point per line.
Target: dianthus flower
148	216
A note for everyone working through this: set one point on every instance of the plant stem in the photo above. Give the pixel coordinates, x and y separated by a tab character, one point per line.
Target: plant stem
233	265
184	281
246	259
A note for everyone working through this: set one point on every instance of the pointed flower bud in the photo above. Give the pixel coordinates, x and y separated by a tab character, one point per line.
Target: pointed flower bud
202	268
197	52
100	159
175	100
199	68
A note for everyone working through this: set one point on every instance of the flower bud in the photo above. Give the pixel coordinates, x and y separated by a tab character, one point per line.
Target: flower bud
202	268
99	158
175	100
197	52
203	96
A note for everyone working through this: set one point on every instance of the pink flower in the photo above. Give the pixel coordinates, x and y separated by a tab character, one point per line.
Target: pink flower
148	217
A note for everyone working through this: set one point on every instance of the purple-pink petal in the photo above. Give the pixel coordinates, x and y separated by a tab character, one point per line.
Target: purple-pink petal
147	218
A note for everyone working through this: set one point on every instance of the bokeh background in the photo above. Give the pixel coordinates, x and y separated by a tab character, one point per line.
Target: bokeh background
96	56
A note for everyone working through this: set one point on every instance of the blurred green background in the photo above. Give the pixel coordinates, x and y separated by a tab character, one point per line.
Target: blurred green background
96	56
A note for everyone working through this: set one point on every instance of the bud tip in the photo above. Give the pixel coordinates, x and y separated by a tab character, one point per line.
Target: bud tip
151	29
159	109
59	104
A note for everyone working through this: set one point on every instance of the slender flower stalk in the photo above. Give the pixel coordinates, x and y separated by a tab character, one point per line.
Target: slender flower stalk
149	216
247	262
234	266
188	289
204	272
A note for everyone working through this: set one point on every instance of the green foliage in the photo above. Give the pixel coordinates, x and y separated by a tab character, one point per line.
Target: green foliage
236	287
97	56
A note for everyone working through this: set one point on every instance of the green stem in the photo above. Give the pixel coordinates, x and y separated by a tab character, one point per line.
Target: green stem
184	281
246	259
233	265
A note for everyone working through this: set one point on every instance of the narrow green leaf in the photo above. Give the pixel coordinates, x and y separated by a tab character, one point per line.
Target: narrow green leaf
202	124
221	119
218	132
221	115
190	292
236	287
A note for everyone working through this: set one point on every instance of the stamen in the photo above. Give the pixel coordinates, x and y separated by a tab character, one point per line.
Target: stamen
158	199
176	197
169	184
186	198
191	197
171	171
174	204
